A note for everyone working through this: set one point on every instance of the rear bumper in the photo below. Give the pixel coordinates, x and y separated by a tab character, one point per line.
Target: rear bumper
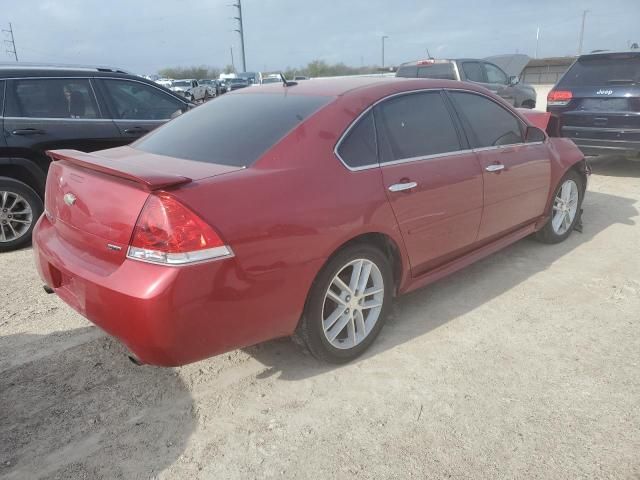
592	141
170	316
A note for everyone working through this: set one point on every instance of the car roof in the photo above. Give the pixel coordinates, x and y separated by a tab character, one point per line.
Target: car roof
604	53
443	60
373	85
15	70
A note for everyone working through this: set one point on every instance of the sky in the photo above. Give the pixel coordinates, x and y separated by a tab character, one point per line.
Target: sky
144	36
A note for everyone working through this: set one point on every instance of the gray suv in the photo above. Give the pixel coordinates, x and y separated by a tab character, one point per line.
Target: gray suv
471	70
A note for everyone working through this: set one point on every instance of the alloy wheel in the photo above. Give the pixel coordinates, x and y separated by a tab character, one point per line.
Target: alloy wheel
352	304
565	207
16	216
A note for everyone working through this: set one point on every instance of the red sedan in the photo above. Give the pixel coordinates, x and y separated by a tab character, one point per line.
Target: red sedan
299	209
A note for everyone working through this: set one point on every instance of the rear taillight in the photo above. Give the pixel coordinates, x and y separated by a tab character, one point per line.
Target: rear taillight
169	233
559	97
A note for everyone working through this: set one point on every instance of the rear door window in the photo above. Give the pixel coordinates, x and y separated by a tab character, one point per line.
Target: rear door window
603	70
234	129
139	101
487	123
473	71
51	98
358	149
415	125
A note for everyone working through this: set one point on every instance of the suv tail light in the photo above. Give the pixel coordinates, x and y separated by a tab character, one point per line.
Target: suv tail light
169	233
559	97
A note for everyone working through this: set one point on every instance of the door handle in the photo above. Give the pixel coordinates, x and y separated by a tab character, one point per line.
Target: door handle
28	131
136	130
400	187
495	168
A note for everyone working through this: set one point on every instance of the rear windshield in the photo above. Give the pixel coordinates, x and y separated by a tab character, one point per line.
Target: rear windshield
234	129
443	71
621	69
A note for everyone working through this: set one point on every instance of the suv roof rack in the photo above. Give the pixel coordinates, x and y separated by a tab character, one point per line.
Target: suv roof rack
59	66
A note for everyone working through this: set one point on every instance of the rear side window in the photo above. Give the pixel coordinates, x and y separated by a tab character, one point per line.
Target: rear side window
358	149
138	101
234	129
487	122
443	71
599	70
415	125
51	98
408	71
473	71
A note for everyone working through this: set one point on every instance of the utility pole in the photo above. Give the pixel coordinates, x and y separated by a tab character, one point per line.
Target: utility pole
584	17
384	37
537	40
233	65
12	42
240	30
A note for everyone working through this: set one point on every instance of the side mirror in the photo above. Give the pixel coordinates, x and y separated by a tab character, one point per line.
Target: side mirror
534	134
514	80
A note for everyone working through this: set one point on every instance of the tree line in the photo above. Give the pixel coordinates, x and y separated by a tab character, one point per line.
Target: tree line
316	68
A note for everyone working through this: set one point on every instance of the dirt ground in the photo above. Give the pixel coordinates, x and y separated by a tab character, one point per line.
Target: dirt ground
524	365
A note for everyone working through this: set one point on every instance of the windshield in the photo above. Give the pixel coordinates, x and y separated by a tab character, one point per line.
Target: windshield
443	71
598	70
193	136
182	83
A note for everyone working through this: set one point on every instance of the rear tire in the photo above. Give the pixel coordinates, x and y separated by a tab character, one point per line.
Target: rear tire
528	104
565	210
341	321
20	208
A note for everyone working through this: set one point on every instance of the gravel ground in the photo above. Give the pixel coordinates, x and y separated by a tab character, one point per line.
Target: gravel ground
524	365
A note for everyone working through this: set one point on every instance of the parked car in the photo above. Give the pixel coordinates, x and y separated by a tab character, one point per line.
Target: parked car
597	101
211	85
191	90
82	108
477	71
196	241
271	79
236	83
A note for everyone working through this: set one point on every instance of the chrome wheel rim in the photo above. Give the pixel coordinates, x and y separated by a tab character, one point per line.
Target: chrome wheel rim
352	304
16	216
565	207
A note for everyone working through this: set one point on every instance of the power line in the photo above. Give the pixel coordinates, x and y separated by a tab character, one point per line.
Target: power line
240	30
13	42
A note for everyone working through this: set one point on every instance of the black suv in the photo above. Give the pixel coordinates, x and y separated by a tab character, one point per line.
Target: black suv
598	103
44	107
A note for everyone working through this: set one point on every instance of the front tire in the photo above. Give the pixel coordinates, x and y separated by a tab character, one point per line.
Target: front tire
20	208
347	304
565	209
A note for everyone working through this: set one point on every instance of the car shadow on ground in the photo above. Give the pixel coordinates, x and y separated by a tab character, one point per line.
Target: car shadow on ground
426	309
77	409
615	166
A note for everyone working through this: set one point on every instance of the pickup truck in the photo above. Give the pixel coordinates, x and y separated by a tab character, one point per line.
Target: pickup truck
192	90
473	70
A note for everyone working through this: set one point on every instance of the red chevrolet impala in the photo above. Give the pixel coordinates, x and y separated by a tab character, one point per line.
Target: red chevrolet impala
297	209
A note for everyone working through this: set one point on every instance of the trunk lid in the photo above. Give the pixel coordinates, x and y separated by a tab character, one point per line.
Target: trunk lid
93	200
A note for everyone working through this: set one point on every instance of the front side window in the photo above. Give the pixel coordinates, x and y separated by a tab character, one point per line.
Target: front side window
358	149
51	98
494	74
415	125
138	101
232	130
473	71
488	124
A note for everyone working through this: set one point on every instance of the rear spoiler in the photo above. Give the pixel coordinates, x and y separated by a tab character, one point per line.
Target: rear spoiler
147	177
543	120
